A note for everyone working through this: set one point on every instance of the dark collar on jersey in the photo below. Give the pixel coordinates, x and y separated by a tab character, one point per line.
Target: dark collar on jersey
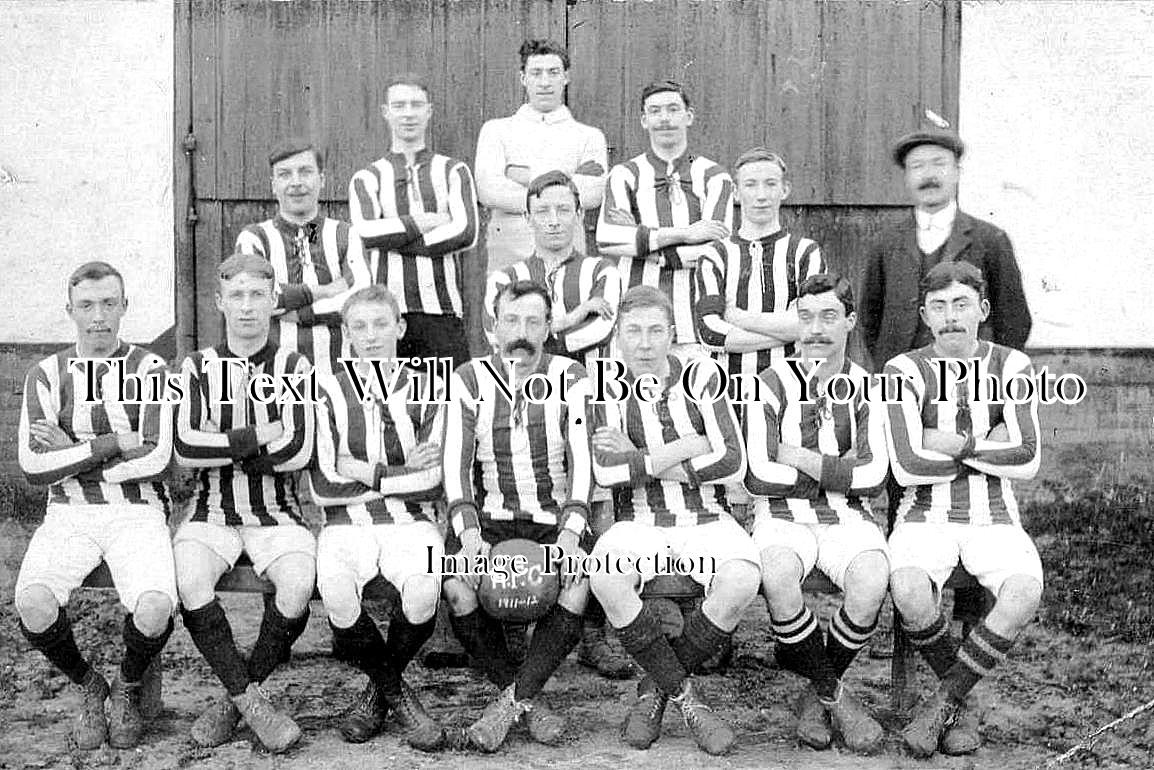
423	157
672	379
573	256
263	356
312	227
764	240
121	351
680	164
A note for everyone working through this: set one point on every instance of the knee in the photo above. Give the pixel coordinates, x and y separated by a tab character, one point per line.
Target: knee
1021	595
195	576
780	570
37	607
739	579
609	586
152	612
419	599
342	604
867	580
911	589
461	599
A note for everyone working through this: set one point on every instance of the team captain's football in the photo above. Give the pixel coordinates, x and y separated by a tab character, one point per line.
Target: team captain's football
509	593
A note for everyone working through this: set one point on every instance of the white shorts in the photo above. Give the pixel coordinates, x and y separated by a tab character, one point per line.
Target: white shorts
394	551
829	547
132	539
705	546
990	552
264	545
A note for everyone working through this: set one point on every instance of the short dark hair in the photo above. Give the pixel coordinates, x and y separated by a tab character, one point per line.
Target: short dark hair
409	79
642	297
246	263
290	147
542	47
943	274
518	289
94	271
549	179
757	155
823	282
661	87
373	294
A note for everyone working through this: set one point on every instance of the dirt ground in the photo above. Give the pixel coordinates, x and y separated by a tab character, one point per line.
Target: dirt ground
1055	689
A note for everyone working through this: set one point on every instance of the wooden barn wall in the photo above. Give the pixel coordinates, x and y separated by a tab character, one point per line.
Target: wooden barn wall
828	84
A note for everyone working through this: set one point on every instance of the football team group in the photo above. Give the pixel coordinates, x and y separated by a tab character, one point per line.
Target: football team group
756	495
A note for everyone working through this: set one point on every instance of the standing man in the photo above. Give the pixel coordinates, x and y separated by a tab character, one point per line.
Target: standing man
585	293
318	263
247	453
957	448
664	206
376	476
416	213
540	136
517	468
747	283
937	232
816	455
668	456
102	460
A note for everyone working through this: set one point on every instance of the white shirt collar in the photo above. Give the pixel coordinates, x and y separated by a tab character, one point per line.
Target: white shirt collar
941	220
559	115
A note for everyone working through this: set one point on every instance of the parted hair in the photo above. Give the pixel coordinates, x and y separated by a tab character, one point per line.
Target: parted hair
642	297
290	147
943	274
374	294
823	282
94	271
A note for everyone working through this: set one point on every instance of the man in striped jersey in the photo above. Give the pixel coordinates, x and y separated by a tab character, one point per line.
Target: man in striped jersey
517	468
247	453
747	283
318	262
542	135
816	456
668	455
956	446
101	461
663	207
416	213
585	292
377	473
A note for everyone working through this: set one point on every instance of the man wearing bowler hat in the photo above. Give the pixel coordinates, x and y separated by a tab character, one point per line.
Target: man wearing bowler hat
937	232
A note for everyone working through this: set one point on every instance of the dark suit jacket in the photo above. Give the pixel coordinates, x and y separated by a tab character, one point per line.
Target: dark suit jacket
888	300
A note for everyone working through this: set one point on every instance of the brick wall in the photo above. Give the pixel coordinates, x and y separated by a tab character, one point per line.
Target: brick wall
1109	437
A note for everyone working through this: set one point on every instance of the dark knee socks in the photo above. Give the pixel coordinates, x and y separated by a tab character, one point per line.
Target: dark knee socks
59	645
139	650
212	635
554	637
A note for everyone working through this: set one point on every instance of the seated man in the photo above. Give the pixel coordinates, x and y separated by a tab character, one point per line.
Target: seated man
377	475
101	460
668	460
814	463
585	292
517	469
955	447
247	452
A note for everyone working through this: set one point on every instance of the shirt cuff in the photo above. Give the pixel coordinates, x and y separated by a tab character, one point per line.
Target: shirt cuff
463	515
574	517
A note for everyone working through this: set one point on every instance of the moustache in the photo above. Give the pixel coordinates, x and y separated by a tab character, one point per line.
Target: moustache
951	328
817	341
521	343
930	184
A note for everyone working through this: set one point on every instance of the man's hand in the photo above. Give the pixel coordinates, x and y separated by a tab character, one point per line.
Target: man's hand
430	221
49	436
596	306
569	543
943	441
472	546
1000	432
424	455
266	433
127	442
339	286
704	231
519	174
612	441
698	444
589	168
